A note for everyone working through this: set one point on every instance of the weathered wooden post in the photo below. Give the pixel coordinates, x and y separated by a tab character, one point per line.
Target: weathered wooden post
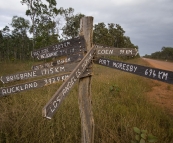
87	120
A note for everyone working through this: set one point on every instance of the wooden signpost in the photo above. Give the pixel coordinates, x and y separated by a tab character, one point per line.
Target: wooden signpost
77	49
53	104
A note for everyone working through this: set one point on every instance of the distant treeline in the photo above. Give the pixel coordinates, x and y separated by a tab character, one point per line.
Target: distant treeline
166	53
49	25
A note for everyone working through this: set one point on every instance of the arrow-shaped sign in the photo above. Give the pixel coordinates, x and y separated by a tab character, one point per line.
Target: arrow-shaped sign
53	104
153	73
117	51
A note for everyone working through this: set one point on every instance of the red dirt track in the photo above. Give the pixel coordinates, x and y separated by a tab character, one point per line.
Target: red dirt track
162	93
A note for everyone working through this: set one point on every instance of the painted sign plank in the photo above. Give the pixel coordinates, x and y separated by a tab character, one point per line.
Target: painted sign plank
58	47
53	104
117	51
67	59
32	85
36	73
64	52
153	73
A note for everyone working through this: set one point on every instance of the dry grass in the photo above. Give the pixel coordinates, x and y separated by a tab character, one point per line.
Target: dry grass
119	104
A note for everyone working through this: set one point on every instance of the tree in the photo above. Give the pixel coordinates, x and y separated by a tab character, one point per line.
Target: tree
101	35
117	35
42	17
20	38
71	28
5	44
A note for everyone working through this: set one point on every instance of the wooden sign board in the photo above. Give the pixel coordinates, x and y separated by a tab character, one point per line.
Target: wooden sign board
32	85
116	51
76	49
67	59
53	104
68	44
106	50
36	73
153	73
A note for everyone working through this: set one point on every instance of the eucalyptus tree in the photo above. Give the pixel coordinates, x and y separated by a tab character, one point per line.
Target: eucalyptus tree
167	53
72	25
5	44
111	35
117	34
42	16
20	38
101	34
128	43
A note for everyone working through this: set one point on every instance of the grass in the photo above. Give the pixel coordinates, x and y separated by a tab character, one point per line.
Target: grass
119	104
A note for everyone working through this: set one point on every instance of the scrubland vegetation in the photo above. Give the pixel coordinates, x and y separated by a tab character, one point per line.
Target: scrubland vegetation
119	103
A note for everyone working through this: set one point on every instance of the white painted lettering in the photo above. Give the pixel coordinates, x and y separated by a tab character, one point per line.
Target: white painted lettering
165	75
135	68
4	92
13	89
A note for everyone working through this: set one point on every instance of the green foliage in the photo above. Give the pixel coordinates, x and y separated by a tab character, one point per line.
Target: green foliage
142	136
166	53
111	35
71	28
114	89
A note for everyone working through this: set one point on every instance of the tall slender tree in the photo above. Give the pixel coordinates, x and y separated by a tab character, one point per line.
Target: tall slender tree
19	33
42	16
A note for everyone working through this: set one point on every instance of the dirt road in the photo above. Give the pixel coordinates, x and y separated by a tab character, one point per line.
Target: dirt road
162	93
160	64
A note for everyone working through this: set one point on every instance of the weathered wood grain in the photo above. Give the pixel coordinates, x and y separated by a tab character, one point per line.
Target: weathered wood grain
50	108
85	102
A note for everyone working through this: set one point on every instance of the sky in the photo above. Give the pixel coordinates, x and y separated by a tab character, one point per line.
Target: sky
148	23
